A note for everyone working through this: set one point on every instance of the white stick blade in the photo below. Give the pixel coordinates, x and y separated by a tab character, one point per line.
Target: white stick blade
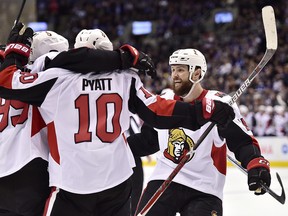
269	23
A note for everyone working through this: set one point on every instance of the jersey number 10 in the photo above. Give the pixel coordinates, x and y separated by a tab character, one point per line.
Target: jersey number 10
101	104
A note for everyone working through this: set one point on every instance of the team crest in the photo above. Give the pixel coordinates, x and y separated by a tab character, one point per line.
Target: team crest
179	144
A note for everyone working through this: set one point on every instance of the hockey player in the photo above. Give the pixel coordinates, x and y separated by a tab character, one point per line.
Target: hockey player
86	115
24	179
97	39
197	190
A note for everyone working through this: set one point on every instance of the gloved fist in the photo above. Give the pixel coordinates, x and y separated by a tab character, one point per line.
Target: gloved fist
19	44
145	65
215	111
258	171
131	57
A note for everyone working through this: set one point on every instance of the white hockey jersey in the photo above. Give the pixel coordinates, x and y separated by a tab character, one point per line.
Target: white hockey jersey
86	116
206	171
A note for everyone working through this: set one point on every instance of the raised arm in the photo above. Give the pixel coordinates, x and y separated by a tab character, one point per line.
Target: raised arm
84	60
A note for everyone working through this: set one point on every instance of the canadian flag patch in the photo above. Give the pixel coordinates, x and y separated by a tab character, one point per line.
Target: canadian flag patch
208	106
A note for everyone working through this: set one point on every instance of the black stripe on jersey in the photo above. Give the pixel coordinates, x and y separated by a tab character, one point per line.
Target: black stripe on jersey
34	95
84	60
240	143
184	114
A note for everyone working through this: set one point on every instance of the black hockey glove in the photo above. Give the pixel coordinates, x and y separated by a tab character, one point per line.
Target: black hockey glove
131	57
18	46
258	171
215	111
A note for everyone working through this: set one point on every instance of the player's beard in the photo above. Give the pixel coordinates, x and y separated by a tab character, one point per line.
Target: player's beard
182	89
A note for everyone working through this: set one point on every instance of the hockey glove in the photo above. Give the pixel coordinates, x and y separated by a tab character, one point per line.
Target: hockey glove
131	57
215	111
18	45
258	171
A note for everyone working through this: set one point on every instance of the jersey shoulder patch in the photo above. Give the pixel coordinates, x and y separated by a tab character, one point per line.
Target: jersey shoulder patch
220	94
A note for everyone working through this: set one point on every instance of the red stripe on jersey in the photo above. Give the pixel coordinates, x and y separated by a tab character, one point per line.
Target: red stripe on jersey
218	156
162	107
6	76
52	141
37	121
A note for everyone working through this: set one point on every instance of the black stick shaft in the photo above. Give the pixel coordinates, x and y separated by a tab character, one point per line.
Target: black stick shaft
20	12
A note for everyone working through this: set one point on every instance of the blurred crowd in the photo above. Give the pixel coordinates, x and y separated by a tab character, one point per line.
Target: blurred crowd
232	50
267	121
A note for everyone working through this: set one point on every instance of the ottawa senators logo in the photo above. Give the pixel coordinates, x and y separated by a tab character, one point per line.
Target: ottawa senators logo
178	145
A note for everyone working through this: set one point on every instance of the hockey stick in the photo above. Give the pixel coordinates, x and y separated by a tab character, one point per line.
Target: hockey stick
20	12
3	46
280	198
271	46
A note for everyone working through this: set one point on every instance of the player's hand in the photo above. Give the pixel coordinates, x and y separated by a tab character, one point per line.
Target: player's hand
215	111
145	65
131	57
258	171
19	44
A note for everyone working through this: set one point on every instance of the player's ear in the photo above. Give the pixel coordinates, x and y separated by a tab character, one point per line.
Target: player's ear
196	74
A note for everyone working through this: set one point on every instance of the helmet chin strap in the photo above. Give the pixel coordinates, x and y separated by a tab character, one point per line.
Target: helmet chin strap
188	97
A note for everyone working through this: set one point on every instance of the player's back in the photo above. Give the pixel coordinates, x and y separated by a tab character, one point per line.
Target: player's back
86	116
